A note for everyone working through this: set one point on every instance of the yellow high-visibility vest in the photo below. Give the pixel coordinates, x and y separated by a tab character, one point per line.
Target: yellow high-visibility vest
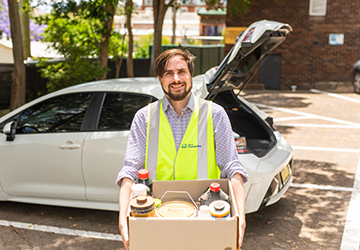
195	158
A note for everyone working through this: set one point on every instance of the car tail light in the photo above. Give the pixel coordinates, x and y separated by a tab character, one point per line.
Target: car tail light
248	36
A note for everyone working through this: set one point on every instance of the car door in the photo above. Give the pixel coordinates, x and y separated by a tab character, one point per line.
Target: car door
44	159
104	149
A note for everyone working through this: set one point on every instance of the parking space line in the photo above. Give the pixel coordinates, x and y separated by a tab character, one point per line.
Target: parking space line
315	125
351	235
335	95
343	150
321	187
309	115
59	230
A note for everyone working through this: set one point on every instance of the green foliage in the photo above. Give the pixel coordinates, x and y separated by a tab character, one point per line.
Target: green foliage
118	45
142	45
70	72
74	38
76	28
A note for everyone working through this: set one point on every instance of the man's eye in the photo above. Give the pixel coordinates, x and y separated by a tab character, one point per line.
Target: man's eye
167	74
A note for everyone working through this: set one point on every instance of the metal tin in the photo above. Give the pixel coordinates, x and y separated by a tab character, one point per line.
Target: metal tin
142	206
219	209
176	209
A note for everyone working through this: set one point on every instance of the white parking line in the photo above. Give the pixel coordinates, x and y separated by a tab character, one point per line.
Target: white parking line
351	235
335	95
343	150
59	230
307	125
309	115
321	187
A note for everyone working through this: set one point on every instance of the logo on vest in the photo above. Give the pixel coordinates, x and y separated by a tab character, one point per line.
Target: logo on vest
190	145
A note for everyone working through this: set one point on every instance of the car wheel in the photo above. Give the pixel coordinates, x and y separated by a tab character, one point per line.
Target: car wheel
356	82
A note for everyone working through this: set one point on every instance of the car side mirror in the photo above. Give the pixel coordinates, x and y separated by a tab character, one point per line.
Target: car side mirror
9	130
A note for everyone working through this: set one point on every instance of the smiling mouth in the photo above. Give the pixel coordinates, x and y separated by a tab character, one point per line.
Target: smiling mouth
177	86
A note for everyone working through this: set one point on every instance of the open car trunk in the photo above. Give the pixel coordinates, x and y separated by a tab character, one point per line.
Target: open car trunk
246	123
248	53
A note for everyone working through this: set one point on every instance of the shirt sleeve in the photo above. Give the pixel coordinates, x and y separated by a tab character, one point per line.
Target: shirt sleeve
226	154
136	147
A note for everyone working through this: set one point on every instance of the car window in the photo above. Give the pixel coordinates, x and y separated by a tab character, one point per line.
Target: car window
119	109
63	113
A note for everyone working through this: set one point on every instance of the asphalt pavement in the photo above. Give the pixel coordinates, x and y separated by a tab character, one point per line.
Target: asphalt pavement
317	212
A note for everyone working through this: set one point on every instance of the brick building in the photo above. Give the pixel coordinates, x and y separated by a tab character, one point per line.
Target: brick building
309	56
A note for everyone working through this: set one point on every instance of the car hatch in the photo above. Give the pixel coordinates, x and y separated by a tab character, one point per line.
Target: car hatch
249	51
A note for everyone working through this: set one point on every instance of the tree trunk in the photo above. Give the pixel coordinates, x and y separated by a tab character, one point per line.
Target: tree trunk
129	61
105	39
173	38
25	28
159	9
18	86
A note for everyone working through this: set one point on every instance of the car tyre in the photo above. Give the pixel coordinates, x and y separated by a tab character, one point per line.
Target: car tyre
356	82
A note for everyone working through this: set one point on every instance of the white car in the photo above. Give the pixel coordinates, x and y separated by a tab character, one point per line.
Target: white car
66	148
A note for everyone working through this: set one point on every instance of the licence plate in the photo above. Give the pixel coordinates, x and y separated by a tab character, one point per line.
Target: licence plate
285	173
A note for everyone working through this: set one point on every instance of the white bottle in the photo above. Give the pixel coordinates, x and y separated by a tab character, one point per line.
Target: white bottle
204	212
138	189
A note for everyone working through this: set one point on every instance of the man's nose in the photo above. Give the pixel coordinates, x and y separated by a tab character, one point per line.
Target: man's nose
176	77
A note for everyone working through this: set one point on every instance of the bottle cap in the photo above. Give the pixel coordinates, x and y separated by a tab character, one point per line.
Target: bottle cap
143	174
215	187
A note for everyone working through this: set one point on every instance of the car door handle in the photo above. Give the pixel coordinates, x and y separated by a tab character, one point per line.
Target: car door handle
69	146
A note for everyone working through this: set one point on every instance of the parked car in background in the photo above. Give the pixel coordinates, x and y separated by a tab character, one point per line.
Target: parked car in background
66	148
355	77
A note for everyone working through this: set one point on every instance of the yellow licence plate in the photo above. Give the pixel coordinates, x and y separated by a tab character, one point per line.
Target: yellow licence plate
285	173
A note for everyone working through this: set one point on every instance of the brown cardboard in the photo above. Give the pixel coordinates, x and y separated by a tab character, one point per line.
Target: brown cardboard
185	233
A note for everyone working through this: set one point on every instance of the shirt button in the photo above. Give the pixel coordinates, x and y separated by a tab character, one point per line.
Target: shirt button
178	121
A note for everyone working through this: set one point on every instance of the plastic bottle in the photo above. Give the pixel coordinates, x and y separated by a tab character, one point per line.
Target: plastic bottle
143	178
213	193
204	212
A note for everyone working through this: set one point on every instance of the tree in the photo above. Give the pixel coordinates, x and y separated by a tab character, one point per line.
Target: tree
118	48
25	29
36	30
159	10
175	8
74	38
18	86
130	62
102	11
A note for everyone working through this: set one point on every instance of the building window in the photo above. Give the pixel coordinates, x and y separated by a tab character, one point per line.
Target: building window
317	7
212	30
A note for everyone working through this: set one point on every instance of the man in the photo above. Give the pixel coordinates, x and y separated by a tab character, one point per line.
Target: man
177	121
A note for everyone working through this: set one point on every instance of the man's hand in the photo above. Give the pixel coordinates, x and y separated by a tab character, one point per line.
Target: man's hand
239	193
124	200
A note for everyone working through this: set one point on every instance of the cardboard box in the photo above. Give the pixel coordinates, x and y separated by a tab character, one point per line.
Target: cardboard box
185	233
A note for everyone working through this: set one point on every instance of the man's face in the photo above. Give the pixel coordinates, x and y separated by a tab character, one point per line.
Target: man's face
176	81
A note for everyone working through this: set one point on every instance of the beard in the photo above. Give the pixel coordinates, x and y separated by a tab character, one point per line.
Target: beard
178	96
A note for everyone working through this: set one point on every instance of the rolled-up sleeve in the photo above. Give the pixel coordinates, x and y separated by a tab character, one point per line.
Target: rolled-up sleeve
136	147
226	154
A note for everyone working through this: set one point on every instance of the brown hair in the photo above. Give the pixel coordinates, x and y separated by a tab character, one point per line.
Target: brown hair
163	59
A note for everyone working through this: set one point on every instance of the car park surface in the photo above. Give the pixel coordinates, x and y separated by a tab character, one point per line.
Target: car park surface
324	131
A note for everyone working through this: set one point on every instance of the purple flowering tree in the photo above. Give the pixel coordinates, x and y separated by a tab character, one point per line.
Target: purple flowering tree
36	31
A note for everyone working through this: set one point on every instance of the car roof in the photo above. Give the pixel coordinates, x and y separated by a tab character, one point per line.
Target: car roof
143	85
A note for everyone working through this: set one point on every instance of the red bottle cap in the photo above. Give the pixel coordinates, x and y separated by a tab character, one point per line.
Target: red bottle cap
215	187
143	174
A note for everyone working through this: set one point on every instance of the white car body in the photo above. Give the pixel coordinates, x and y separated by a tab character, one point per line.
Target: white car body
79	169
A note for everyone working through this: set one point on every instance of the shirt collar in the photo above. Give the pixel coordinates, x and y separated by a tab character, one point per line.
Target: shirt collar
190	104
